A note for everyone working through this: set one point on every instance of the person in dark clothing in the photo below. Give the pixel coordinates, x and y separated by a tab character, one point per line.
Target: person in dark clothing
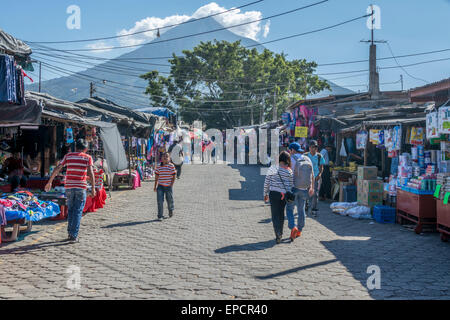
276	185
325	190
15	169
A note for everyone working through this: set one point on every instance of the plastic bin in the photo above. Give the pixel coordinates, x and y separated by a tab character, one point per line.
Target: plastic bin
350	194
384	214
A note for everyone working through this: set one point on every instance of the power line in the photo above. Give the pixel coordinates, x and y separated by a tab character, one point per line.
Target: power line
398	64
199	33
309	32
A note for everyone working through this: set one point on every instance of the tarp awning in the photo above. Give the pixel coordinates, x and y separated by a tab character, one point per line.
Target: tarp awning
30	113
13	46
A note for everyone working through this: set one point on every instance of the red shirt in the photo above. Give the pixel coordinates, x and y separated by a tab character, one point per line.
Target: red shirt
165	174
77	164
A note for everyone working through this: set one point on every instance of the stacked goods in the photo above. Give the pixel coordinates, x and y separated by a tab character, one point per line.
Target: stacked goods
405	170
443	180
370	190
352	167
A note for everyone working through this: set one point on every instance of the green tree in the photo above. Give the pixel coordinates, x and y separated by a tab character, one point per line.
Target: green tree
226	85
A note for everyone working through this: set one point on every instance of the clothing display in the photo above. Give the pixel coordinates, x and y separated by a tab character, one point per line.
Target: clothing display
8	79
25	205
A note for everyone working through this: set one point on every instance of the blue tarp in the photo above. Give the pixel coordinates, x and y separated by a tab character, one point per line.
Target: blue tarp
161	112
34	212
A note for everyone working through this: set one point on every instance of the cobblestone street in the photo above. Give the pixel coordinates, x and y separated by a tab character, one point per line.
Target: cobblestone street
220	245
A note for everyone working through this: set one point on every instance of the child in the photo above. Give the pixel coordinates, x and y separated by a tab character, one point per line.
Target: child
165	177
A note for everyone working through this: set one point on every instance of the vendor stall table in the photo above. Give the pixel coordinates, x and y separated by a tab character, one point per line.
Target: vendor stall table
39	183
58	198
417	208
443	219
16	223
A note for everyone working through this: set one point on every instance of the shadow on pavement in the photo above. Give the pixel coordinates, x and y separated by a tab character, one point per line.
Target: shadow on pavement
252	188
128	224
293	270
32	247
411	266
247	247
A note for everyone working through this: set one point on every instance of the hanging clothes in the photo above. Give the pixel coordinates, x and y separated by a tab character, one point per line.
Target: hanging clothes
8	79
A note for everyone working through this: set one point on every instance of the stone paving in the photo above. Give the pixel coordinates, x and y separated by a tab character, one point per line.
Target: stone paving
220	245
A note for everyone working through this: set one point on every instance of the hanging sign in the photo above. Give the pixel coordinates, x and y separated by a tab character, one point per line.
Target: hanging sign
301	132
432	125
444	120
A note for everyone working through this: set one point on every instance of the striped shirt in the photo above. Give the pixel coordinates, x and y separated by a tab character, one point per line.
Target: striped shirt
98	174
165	174
274	183
77	164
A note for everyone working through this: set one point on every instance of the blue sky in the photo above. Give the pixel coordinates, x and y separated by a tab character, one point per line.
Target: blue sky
410	26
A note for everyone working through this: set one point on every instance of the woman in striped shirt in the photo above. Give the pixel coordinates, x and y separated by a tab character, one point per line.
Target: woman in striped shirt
277	183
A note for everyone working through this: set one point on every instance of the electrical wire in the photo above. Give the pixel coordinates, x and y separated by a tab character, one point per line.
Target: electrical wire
199	33
148	30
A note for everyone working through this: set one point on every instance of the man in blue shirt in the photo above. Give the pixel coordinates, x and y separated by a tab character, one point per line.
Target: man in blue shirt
318	163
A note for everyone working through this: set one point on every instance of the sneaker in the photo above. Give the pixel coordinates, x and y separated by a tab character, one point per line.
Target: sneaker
73	239
170	214
299	233
278	240
294	232
160	218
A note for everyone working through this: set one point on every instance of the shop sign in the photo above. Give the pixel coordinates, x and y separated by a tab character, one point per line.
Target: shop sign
432	125
444	120
301	132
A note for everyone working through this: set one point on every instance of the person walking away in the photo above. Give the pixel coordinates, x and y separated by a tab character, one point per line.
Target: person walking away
165	178
325	190
177	159
276	185
303	189
79	165
318	162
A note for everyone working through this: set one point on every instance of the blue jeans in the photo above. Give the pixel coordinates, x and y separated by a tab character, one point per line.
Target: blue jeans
160	192
300	198
76	199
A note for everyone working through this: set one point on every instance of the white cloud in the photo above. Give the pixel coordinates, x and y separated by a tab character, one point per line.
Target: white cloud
227	19
99	45
266	29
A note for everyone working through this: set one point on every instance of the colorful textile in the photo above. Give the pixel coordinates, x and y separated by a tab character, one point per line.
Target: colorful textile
25	205
77	164
8	79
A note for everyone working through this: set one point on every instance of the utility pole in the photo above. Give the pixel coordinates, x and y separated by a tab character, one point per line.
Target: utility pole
261	112
275	111
91	89
251	114
40	70
401	80
374	78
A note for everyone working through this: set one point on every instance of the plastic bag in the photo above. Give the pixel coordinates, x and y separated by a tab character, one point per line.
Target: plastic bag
342	152
359	212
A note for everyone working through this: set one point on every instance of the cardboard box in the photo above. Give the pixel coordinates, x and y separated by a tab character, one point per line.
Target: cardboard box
372	186
367	173
371	199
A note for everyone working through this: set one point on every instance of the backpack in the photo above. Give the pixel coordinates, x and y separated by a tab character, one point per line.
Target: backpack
302	173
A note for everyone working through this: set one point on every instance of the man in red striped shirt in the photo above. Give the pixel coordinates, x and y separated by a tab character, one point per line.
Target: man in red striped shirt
165	178
79	165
